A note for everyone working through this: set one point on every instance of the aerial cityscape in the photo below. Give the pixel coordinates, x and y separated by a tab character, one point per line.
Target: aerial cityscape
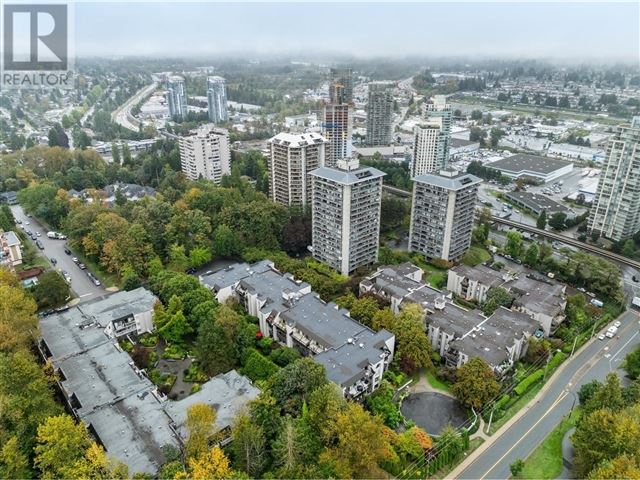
320	240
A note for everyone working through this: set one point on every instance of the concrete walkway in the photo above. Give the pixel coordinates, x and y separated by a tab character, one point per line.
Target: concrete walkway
423	385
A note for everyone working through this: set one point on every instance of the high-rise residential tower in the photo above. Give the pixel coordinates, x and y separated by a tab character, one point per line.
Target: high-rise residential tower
380	114
337	128
346	215
217	99
615	213
340	85
442	211
432	138
291	160
205	153
176	97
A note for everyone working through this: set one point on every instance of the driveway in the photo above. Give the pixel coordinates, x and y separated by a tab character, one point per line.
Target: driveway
81	285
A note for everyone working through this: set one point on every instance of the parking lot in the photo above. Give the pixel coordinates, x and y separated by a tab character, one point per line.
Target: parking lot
81	284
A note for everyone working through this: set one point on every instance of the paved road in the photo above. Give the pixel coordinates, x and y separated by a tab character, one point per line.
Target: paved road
595	361
122	115
81	284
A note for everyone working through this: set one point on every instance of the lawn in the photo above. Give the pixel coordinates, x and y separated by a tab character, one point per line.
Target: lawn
546	461
513	409
436	383
475	256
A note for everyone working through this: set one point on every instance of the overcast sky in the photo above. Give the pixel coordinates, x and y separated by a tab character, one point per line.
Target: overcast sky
586	30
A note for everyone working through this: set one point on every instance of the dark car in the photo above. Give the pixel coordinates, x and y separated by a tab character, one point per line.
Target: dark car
67	251
635	279
191	271
39	245
53	261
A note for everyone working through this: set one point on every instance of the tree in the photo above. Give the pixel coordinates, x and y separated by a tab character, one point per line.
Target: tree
606	396
51	290
363	309
178	260
541	222
632	364
361	444
61	442
225	243
199	256
624	466
215	345
200	424
324	405
605	434
557	221
171	323
496	297
211	465
413	347
475	384
532	255
13	461
248	446
517	467
514	246
94	464
17	314
294	384
289	447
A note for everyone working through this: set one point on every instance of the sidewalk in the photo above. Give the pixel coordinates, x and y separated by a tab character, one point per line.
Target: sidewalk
492	439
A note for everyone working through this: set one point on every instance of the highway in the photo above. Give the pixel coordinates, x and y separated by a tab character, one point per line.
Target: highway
81	284
122	115
519	439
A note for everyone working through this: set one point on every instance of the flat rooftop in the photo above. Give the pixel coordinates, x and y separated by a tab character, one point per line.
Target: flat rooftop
449	182
233	274
537	202
523	163
348	177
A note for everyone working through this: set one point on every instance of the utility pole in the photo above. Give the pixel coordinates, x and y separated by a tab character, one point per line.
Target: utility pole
576	341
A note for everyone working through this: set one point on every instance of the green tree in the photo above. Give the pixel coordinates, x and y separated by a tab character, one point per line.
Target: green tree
541	222
294	384
248	446
517	467
532	255
632	364
412	345
363	309
514	246
475	384
14	463
496	297
51	291
624	466
225	243
215	345
558	221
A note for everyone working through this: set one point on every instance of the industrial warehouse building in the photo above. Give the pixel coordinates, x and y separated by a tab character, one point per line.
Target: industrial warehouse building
522	165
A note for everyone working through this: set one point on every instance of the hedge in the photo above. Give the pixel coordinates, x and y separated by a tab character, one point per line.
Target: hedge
503	401
258	367
524	385
557	359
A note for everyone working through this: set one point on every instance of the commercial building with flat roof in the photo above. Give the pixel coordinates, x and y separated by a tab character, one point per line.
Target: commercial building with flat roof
291	160
544	169
536	203
442	211
346	215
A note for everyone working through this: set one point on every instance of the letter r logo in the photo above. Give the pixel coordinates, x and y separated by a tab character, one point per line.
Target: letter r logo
35	37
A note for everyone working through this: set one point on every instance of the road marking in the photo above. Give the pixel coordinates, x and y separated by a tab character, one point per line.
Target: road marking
625	345
561	397
85	295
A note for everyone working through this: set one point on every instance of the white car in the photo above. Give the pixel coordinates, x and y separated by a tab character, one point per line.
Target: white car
617	324
601	336
26	222
38	234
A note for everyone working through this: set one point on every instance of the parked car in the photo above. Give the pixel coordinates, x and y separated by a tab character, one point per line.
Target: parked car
67	251
39	245
38	234
96	282
53	261
26	222
75	259
66	276
601	336
617	324
82	266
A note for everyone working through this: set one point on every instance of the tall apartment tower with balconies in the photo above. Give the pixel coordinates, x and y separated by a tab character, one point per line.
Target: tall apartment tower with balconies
442	212
217	99
291	160
205	153
380	114
615	213
346	215
432	138
176	97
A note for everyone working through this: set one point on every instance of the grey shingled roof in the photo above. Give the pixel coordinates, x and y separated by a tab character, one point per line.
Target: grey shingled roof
480	273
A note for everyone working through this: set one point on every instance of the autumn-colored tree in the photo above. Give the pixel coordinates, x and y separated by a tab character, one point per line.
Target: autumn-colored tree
13	461
95	465
476	383
200	424
210	465
61	442
18	322
361	444
324	405
412	444
413	347
623	466
364	309
383	319
605	434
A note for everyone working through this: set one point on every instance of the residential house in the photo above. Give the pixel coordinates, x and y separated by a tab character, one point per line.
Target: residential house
473	283
10	251
541	298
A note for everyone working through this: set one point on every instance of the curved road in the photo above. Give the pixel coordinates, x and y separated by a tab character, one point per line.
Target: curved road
519	438
122	115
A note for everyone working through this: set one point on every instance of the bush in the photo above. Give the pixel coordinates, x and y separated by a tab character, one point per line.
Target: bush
174	352
504	400
284	356
258	367
265	344
557	359
148	340
194	374
126	346
525	384
441	264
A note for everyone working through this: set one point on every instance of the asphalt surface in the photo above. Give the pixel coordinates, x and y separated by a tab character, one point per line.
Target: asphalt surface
81	284
595	361
433	411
